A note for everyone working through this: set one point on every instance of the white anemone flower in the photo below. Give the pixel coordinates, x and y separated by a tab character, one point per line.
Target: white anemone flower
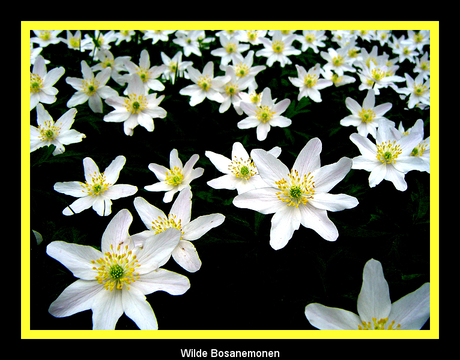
205	85
175	66
278	49
138	108
417	90
156	221
176	178
230	47
98	190
299	196
42	81
240	173
116	279
389	158
56	133
375	309
265	115
309	82
91	88
367	116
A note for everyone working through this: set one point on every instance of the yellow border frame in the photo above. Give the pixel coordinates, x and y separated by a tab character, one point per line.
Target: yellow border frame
27	333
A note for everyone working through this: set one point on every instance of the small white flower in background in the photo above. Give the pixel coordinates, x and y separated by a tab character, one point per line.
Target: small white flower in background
147	74
377	76
205	85
422	150
336	79
309	82
156	221
100	41
417	90
232	90
265	115
74	41
367	116
42	81
239	171
278	49
56	133
98	190
116	279
230	48
189	41
116	65
46	37
91	88
175	66
422	66
157	35
124	35
138	108
375	309
299	196
176	178
251	36
389	158
312	39
337	60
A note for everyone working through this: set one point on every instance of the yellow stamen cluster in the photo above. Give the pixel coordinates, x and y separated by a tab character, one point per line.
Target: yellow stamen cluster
36	83
241	70
97	186
419	149
310	38
310	80
378	74
49	131
379	325
296	189
388	152
264	114
278	46
420	89
174	176
338	60
204	82
45	34
367	115
231	89
135	103
243	169
231	47
164	223
116	270
90	86
144	74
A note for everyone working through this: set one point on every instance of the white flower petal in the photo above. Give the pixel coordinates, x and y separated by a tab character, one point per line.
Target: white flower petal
329	318
138	309
201	225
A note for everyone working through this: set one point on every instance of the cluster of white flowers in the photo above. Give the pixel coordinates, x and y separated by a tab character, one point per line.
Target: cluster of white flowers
116	279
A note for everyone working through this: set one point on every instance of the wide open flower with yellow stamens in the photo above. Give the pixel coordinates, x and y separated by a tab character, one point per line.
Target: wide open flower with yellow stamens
116	279
376	312
299	196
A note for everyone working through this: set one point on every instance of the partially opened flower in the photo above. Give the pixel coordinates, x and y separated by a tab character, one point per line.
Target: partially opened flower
116	279
98	190
367	116
56	133
139	108
239	171
156	221
91	88
42	81
177	177
375	309
299	196
265	115
389	158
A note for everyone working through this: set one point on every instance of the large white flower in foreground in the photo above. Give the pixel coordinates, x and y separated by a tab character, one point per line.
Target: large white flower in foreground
240	173
177	177
116	279
56	133
139	108
299	196
42	81
156	221
98	190
376	312
389	158
265	115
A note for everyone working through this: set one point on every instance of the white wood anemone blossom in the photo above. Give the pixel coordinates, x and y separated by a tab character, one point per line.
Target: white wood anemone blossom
116	279
299	196
375	309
